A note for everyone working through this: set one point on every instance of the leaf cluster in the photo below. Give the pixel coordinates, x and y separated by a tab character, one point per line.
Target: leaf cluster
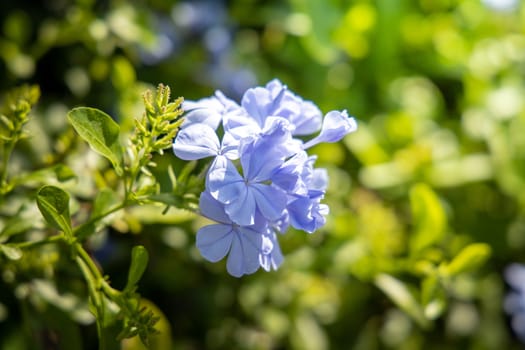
134	184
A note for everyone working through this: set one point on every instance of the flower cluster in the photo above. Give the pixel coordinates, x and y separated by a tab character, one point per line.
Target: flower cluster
514	303
261	179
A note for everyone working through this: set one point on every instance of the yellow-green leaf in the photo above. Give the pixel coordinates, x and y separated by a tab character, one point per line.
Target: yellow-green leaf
400	294
139	262
469	259
428	216
11	252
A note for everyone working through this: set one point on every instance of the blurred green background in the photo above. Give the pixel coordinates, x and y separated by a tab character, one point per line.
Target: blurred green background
427	198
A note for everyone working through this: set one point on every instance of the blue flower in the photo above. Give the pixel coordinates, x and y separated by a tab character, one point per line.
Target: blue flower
244	244
514	303
244	196
197	138
336	125
209	110
198	141
303	115
261	179
271	256
304	207
275	100
308	213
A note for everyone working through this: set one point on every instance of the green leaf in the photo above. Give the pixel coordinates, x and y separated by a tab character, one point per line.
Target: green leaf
429	287
139	262
469	259
433	297
429	218
12	253
53	203
400	294
123	75
100	132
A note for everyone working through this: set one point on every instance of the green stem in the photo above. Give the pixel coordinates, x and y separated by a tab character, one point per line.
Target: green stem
134	174
97	286
109	291
94	294
103	215
7	150
34	244
86	259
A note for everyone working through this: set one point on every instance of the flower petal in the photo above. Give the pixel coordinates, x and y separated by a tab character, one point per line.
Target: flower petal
293	175
515	276
307	214
223	181
197	141
309	120
270	200
241	209
256	102
305	117
319	180
202	115
213	209
230	147
335	126
237	118
214	241
244	254
261	156
227	103
272	258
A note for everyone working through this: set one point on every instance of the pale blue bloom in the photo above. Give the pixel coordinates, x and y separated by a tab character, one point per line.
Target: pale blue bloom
209	110
261	179
271	256
514	303
336	125
303	115
305	210
308	213
244	198
290	175
198	141
275	100
246	195
243	243
502	5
